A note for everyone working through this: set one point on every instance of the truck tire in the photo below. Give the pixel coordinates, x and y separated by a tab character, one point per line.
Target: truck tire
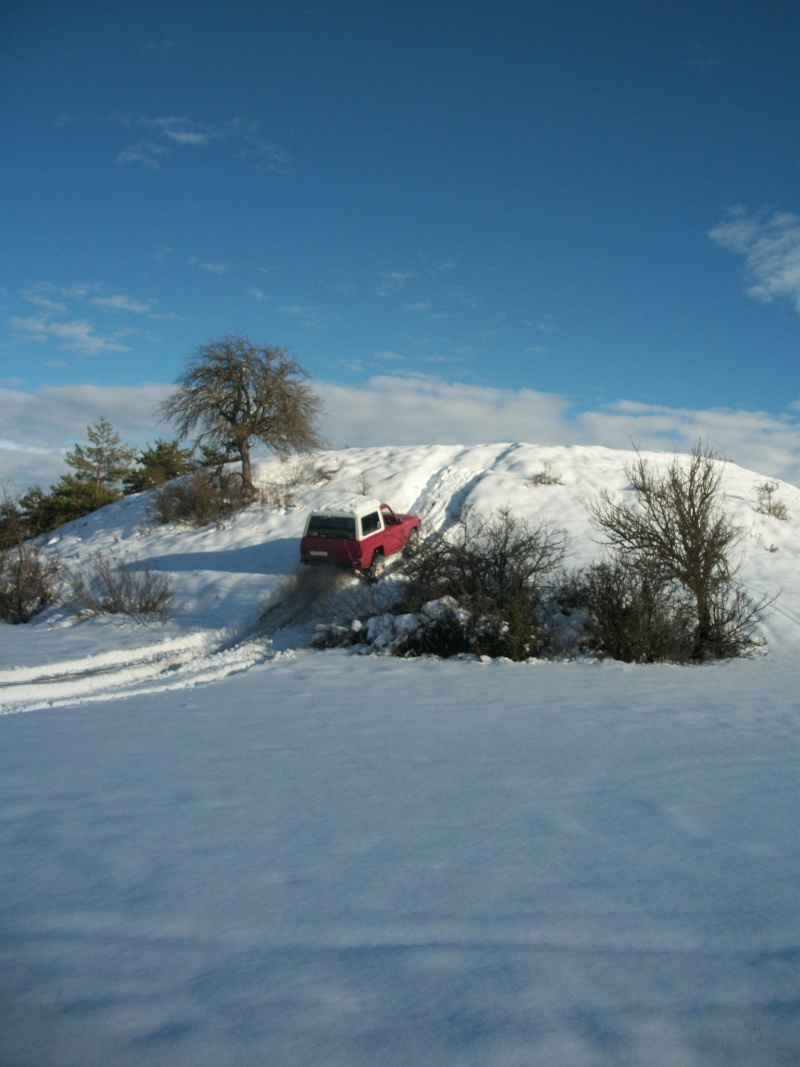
412	544
377	567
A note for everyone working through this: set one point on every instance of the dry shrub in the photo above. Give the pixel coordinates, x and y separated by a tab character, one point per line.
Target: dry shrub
282	493
201	497
28	582
546	476
676	541
494	574
676	532
107	586
768	504
636	617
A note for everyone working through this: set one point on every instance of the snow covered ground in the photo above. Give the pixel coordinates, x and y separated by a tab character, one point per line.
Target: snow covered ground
219	847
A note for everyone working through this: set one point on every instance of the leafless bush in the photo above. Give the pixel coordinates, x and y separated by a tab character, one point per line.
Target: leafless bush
14	523
546	476
636	617
203	496
494	573
107	586
767	504
677	532
304	472
362	485
28	582
735	620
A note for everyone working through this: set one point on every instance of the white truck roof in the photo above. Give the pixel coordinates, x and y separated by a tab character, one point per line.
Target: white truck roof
353	505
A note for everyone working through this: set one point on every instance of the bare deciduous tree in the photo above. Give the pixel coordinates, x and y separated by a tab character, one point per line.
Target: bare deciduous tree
234	392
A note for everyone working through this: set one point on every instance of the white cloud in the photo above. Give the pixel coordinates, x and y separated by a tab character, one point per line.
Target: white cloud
42	301
121	303
390	409
78	291
393	281
77	335
543	325
762	441
309	314
211	268
700	58
425	409
15	446
167	133
59	321
36	428
187	137
428	410
146	153
771	247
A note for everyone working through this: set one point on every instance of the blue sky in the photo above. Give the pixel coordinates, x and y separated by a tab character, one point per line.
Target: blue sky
583	212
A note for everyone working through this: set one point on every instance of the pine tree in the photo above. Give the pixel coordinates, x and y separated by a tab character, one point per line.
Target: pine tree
103	463
100	468
157	464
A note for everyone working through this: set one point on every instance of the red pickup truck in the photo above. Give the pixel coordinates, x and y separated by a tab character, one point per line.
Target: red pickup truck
358	533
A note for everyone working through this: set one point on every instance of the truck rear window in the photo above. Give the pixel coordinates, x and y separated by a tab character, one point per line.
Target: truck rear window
332	526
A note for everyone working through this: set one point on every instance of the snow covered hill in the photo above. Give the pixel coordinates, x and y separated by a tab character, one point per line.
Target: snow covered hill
226	577
221	847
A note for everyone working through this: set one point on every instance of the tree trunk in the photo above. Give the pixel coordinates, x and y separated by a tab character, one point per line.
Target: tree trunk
247	474
703	639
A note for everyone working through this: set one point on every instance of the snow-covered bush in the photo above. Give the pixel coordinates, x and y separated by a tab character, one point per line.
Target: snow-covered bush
282	491
546	476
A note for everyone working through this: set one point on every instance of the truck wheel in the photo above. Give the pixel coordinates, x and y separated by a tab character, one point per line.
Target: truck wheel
377	567
412	544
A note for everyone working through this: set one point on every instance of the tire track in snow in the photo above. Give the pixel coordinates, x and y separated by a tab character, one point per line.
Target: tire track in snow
165	653
441	502
86	683
199	659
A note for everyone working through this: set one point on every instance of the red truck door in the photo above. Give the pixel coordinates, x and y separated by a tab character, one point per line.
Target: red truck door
395	534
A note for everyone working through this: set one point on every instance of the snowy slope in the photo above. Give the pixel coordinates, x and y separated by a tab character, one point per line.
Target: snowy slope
226	578
264	854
